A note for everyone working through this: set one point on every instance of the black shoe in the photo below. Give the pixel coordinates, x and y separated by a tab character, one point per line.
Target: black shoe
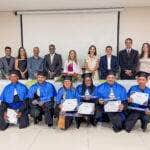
40	118
144	127
50	125
36	121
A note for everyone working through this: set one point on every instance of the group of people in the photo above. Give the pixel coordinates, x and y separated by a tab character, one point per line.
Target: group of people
126	64
42	100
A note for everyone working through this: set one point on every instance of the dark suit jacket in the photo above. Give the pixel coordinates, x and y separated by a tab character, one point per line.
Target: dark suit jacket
55	66
5	68
103	65
128	62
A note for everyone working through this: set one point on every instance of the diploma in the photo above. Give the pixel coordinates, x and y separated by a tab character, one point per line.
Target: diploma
86	108
69	105
12	116
112	106
140	98
89	96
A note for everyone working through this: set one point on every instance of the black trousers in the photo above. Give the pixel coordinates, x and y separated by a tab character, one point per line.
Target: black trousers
23	121
132	118
116	120
47	110
114	117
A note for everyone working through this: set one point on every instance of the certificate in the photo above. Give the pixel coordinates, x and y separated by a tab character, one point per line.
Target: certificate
69	105
86	108
140	98
12	116
112	106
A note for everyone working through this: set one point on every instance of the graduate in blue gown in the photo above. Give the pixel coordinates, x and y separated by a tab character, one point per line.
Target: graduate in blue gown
134	113
67	91
111	90
41	96
14	96
85	93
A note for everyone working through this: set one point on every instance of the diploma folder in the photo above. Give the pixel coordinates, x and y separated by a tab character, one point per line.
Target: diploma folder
69	105
12	116
112	106
86	108
140	98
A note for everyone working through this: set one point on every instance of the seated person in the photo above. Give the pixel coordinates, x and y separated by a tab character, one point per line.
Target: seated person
85	93
135	114
72	65
67	91
14	97
41	96
111	90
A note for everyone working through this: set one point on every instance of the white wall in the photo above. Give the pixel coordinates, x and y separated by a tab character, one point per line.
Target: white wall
71	31
9	32
135	23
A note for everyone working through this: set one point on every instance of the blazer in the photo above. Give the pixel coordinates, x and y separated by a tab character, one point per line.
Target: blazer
103	65
55	66
128	61
5	68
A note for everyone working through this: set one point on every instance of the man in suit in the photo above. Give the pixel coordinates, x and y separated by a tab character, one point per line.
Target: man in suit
108	62
128	61
7	63
53	63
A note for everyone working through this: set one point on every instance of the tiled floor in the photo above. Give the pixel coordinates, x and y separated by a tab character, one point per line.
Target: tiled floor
40	137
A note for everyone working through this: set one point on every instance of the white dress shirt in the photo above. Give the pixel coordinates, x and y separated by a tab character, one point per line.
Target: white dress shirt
109	62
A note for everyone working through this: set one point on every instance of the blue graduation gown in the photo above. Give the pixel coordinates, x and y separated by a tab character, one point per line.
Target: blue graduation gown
136	88
7	95
69	94
47	91
79	93
103	91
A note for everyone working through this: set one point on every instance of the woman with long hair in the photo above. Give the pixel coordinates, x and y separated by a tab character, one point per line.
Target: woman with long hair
71	65
21	63
92	62
144	61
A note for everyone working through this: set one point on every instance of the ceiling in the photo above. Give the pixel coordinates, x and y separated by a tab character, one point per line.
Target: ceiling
12	5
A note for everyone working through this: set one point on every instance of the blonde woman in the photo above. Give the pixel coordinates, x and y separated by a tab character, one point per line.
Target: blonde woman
71	65
92	62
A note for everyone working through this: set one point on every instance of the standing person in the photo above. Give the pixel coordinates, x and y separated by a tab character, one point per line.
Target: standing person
92	62
21	63
14	96
7	63
144	62
128	61
71	65
41	98
135	114
34	63
108	62
53	63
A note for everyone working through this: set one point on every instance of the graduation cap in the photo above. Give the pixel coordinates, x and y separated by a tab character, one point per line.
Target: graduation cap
85	75
142	74
16	72
42	73
110	72
67	77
